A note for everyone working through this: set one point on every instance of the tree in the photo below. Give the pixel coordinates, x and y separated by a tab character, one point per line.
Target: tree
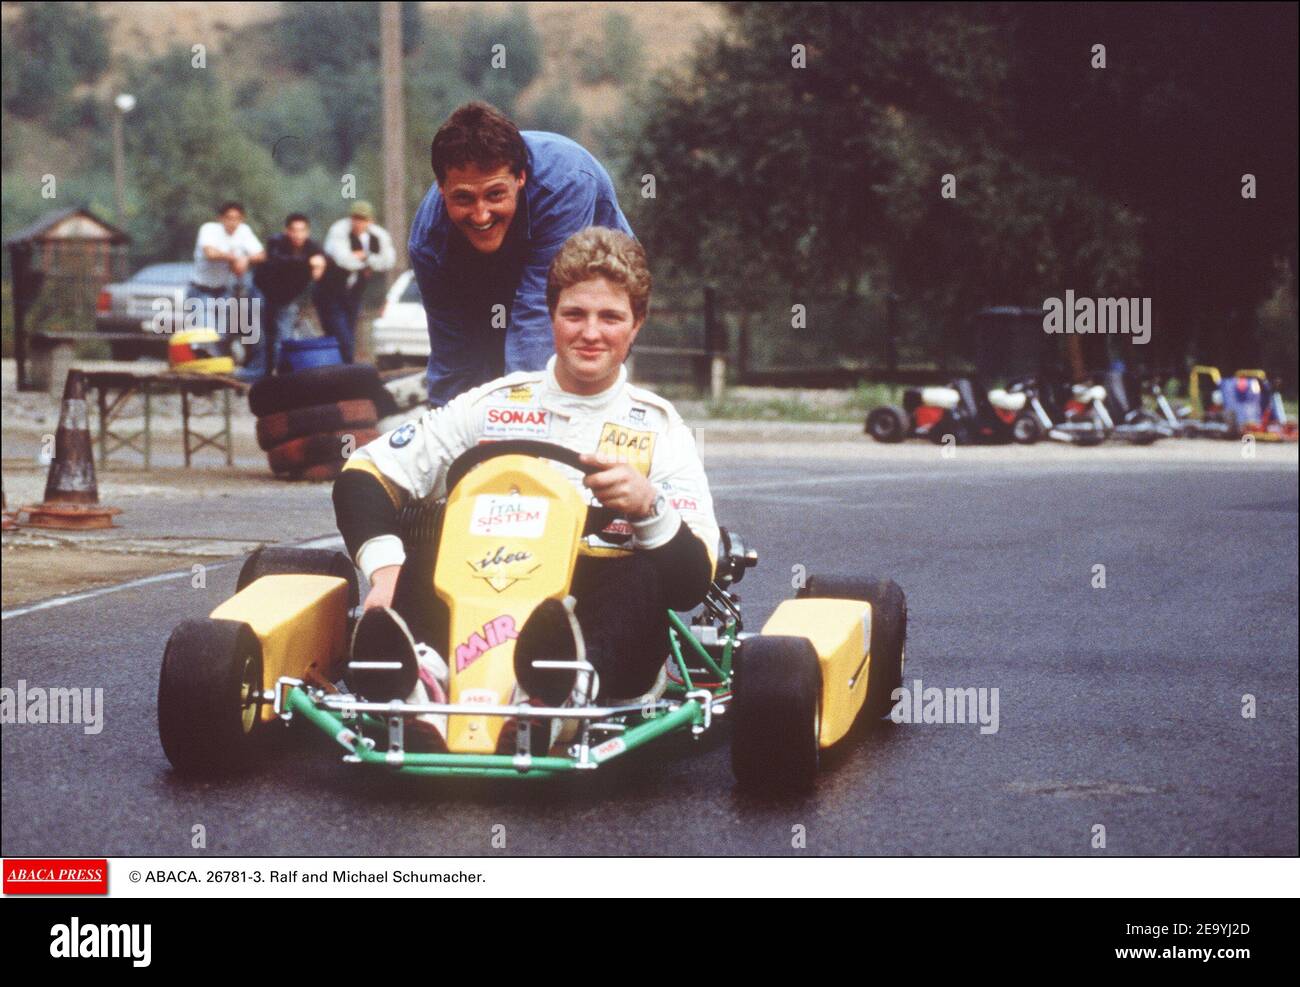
187	155
520	47
327	39
805	146
553	110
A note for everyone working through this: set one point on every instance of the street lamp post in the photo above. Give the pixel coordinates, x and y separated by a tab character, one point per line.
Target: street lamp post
124	104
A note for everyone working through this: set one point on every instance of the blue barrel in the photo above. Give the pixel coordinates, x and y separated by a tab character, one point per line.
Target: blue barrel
303	354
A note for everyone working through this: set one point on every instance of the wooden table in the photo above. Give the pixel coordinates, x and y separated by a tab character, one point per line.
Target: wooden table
114	387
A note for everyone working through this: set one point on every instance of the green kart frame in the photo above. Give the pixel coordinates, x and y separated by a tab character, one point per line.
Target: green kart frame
682	707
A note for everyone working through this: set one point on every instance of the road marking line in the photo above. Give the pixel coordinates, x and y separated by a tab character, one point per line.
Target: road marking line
328	541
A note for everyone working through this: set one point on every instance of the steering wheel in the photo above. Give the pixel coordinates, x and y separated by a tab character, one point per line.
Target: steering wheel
598	517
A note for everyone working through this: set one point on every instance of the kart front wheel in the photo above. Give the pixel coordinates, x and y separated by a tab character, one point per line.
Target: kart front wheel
888	631
209	696
887	424
777	708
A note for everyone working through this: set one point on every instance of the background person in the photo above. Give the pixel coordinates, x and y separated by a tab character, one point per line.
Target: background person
502	205
293	261
225	251
355	247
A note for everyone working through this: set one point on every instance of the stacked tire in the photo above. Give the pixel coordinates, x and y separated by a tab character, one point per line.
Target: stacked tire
309	422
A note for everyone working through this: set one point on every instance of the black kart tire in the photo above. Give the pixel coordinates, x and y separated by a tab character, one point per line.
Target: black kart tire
887	424
209	709
776	713
320	385
274	430
320	473
888	632
948	425
280	560
1026	429
323	447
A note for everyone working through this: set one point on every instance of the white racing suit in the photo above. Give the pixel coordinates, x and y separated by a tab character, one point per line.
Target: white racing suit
626	423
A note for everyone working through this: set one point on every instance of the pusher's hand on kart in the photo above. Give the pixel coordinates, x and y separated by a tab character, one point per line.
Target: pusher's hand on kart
619	486
383	584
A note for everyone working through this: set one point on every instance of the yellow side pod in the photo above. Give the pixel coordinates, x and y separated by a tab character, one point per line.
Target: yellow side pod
301	622
840	632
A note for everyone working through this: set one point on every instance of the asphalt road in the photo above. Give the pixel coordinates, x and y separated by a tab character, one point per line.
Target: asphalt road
1118	707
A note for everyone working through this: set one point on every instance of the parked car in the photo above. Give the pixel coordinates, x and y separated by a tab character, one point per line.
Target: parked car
129	307
400	335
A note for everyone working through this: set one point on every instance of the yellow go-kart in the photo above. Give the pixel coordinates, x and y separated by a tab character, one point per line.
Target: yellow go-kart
512	528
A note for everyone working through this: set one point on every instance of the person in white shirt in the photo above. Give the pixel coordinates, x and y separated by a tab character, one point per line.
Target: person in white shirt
355	247
224	253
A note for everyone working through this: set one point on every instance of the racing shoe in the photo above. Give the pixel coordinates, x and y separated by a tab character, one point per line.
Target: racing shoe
427	732
384	663
552	636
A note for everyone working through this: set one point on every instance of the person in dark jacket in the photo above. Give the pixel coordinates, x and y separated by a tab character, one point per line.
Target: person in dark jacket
293	261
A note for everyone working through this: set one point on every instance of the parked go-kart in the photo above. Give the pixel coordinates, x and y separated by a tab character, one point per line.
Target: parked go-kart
961	409
278	649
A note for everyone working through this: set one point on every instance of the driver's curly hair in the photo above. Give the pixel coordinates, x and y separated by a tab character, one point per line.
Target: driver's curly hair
599	251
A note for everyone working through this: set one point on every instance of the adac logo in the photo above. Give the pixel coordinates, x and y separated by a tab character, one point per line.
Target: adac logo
628	445
520	394
504	567
402	436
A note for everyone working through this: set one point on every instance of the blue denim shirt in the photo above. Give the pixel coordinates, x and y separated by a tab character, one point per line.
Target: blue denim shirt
566	190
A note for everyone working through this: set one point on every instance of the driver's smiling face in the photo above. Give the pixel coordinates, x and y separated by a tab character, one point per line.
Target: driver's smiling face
482	203
594	328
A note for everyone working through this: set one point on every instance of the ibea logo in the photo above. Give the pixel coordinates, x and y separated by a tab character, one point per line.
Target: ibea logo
75	941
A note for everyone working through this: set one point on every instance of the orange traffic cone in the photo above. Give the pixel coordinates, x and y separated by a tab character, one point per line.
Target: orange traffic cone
71	493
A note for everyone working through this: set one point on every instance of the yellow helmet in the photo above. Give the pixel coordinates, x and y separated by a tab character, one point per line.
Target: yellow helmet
198	351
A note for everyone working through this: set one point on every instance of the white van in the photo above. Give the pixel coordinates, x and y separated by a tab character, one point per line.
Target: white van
400	335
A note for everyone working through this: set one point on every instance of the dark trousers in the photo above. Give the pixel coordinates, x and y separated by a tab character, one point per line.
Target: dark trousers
339	309
620	606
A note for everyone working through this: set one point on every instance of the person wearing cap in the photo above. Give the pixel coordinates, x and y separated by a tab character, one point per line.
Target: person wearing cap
502	204
355	247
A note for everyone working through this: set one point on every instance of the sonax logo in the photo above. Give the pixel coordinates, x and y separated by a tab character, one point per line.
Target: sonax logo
56	876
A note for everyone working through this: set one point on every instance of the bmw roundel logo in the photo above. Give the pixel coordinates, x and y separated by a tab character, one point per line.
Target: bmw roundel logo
402	436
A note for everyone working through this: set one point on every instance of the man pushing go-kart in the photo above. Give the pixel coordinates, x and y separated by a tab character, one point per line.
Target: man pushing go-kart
644	466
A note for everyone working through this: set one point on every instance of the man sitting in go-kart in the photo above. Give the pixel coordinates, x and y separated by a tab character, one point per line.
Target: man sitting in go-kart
598	291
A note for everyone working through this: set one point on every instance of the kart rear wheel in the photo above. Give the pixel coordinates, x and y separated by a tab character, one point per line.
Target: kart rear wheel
887	424
209	697
276	560
1026	429
888	632
777	715
948	425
